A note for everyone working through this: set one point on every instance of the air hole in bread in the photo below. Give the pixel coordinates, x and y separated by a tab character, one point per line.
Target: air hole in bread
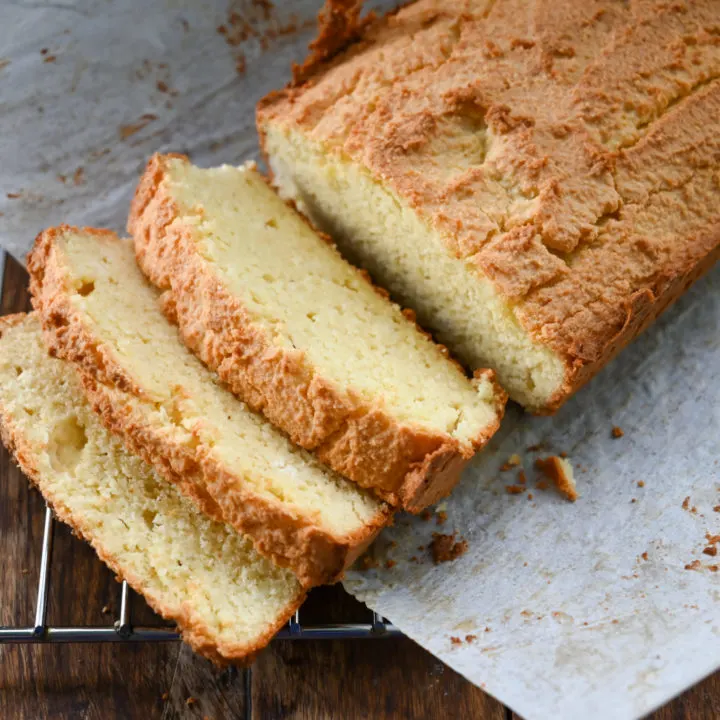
86	288
67	441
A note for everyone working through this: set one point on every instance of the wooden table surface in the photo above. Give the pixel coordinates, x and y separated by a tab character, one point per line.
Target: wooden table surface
389	678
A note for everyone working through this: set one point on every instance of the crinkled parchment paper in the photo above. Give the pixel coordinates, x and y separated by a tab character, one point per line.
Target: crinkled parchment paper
578	610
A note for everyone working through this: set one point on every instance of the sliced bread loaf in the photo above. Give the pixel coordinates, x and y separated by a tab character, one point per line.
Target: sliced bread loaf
301	335
538	180
98	311
227	600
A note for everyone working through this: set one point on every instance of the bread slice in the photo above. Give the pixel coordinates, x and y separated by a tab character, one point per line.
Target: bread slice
98	311
302	336
537	180
227	600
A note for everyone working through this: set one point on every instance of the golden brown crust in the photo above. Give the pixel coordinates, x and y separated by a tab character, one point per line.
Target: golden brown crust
312	553
590	202
195	632
405	465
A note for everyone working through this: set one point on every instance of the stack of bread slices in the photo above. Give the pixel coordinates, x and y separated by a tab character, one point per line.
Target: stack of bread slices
224	407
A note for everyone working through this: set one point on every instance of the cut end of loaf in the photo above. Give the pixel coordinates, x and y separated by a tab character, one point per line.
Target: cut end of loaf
376	229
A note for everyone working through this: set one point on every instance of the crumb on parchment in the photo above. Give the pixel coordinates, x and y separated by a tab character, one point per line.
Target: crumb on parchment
512	462
560	472
515	489
445	548
617	432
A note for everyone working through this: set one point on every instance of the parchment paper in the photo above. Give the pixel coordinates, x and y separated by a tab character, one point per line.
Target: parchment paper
578	610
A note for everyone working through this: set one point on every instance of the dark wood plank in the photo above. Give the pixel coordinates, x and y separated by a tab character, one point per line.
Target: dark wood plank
381	678
701	702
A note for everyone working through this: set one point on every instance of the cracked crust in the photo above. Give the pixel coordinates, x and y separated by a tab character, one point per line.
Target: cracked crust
311	552
589	198
194	631
405	465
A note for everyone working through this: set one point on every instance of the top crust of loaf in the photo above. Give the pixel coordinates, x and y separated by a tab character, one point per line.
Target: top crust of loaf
314	554
406	465
566	150
195	629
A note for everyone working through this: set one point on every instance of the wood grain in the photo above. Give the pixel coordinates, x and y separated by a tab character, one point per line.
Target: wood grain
291	679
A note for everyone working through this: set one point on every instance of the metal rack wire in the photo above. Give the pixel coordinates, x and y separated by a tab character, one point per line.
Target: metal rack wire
123	630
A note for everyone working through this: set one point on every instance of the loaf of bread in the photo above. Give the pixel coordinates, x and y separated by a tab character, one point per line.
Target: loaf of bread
538	180
98	311
227	600
302	336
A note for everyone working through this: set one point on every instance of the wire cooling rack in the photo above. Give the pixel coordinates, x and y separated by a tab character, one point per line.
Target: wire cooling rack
123	630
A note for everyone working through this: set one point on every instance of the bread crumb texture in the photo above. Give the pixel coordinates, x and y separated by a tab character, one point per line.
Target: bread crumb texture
538	180
445	548
302	336
226	598
98	311
560	472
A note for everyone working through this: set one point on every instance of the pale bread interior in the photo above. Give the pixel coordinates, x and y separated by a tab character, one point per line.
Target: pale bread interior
379	231
306	296
183	562
186	402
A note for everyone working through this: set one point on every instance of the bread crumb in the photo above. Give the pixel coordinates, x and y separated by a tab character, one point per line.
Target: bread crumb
644	556
470	638
560	472
641	483
713	568
712	539
710	550
367	562
440	518
716	508
633	500
190	701
126	131
514	489
79	176
617	432
536	448
413	558
694	565
13	195
563	454
512	461
390	564
425	515
529	496
444	548
165	696
455	640
522	477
